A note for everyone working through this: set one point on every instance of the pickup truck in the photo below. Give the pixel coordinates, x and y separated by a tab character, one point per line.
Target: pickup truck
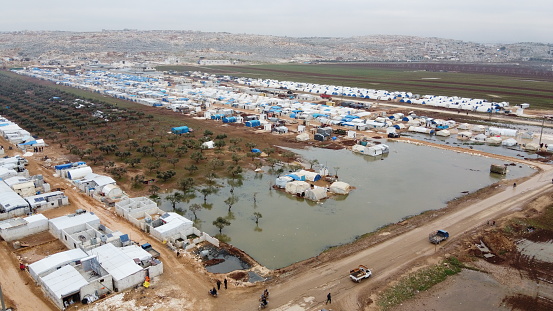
437	237
359	273
148	247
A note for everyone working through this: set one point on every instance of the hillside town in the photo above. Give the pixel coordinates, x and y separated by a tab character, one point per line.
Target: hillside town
117	47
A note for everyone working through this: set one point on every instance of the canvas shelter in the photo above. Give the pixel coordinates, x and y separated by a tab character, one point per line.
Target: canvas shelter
282	181
494	140
509	142
316	194
340	187
297	187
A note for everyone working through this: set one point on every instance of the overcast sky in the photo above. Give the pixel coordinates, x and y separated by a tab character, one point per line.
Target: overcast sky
484	21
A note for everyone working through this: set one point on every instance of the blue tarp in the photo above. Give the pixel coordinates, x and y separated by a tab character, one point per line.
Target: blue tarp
296	177
180	130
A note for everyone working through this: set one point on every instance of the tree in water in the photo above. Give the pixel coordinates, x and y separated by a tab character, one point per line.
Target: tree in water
174	199
230	201
257	215
195	208
220	223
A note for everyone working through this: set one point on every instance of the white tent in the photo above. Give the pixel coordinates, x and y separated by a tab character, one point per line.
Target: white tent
282	181
509	142
531	147
316	194
443	133
208	145
295	187
479	137
340	187
494	140
464	135
463	126
302	137
478	128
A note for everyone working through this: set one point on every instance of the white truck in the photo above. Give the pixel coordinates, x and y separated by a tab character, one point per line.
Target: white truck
359	273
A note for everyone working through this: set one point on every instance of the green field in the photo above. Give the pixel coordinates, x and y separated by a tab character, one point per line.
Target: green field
538	92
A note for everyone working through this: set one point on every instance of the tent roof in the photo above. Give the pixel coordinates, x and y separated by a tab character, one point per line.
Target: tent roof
57	260
115	261
68	221
64	281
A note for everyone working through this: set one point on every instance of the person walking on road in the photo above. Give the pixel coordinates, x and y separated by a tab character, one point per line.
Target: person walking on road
225	281
328	299
218	284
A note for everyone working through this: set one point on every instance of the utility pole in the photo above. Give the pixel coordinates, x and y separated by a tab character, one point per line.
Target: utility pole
541	131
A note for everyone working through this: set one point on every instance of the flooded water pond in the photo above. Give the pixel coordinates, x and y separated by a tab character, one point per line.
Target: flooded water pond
410	180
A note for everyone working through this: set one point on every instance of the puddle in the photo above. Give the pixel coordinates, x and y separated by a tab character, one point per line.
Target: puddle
254	277
220	260
542	251
230	263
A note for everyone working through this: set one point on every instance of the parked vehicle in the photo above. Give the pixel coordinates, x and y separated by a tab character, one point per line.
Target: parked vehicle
148	247
437	237
360	273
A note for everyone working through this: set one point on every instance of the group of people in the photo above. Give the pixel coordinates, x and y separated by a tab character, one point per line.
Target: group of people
264	299
214	290
38	149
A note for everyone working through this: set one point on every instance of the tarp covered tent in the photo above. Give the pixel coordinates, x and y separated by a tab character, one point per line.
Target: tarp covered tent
311	176
208	144
295	187
463	126
509	142
340	187
443	133
531	147
359	149
494	140
302	137
180	130
478	128
282	181
464	135
316	194
79	172
502	131
479	137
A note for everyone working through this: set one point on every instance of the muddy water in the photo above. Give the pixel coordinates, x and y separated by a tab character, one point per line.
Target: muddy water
410	180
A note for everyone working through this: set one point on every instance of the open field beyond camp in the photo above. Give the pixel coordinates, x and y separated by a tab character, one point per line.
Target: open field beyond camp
510	85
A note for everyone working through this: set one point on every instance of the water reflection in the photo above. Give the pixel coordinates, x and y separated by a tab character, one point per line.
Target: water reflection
410	180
